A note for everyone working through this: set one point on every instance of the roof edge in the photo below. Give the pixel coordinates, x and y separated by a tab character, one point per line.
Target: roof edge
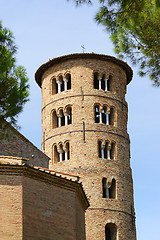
44	176
40	71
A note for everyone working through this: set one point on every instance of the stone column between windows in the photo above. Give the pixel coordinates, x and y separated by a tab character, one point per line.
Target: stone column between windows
102	150
59	86
65	83
109	152
66	118
106	86
107	116
100	83
100	114
106	190
60	151
59	120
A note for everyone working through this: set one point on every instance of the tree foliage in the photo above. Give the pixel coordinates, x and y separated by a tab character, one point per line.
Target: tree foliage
134	28
13	81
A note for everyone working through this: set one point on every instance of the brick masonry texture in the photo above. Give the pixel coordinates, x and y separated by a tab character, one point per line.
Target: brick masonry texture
84	160
37	205
13	144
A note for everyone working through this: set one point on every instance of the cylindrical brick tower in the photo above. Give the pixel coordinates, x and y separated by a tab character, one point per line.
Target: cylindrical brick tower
84	123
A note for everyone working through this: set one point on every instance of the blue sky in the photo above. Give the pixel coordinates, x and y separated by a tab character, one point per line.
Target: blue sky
51	28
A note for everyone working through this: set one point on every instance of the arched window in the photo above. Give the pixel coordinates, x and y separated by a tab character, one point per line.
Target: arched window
54	86
108	84
110	231
61	153
104	115
54	119
111	116
67	151
70	116
68	78
109	188
101	82
62	118
97	114
112	150
61	84
55	154
106	150
96	81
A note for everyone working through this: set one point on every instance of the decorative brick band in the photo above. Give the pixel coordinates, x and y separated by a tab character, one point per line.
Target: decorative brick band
85	95
112	210
86	130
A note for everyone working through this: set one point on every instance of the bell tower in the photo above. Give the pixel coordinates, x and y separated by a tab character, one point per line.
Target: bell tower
84	124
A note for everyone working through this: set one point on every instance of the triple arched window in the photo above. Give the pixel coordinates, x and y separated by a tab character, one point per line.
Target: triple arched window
106	149
62	117
61	83
104	114
102	82
61	152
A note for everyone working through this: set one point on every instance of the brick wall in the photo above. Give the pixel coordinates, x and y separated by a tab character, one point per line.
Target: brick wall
37	205
14	144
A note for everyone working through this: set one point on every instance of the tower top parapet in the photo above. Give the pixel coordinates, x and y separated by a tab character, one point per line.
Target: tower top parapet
39	73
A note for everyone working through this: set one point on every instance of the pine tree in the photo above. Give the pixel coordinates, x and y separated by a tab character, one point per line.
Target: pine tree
13	81
134	28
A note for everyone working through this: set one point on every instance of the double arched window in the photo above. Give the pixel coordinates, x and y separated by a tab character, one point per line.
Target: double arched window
61	152
110	231
61	83
104	114
102	82
106	149
109	188
62	117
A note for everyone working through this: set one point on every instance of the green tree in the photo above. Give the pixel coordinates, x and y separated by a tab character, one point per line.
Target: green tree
13	81
134	28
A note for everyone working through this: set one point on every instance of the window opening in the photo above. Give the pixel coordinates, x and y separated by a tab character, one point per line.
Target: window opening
111	116
103	83
107	233
112	151
69	82
62	120
109	84
54	86
96	81
97	114
70	116
54	120
109	188
103	117
56	154
99	149
110	231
